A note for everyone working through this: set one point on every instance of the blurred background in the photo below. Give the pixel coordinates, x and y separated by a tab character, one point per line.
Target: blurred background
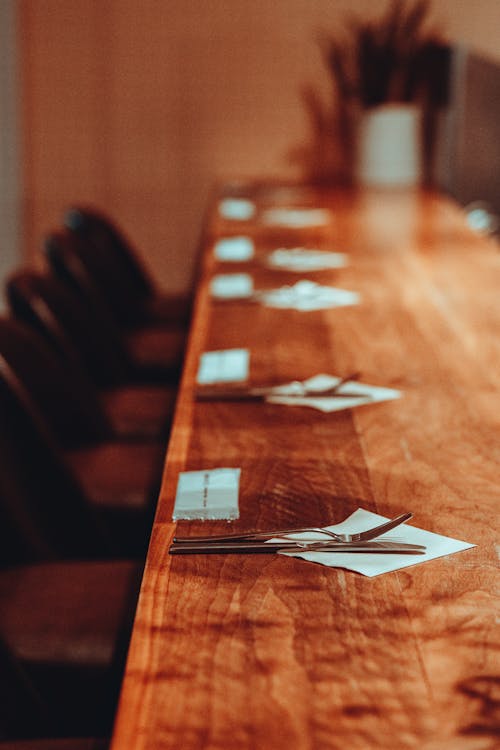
139	107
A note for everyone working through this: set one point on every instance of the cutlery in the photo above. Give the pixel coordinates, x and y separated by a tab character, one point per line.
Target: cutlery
361	536
297	390
266	547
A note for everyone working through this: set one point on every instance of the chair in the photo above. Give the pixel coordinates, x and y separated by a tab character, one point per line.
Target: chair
67	399
119	272
151	344
64	628
23	713
67	623
88	341
40	498
106	492
58	743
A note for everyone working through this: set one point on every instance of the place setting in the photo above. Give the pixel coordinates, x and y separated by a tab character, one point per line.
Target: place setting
241	249
364	542
290	217
223	376
304	259
303	296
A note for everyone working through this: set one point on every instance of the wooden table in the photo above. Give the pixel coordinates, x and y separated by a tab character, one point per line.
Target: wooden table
265	652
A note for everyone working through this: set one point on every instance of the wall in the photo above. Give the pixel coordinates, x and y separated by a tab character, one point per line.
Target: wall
138	106
10	250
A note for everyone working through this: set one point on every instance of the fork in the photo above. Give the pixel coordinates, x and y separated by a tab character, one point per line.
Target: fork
361	536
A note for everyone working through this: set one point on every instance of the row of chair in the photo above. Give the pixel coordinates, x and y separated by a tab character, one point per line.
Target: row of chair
90	355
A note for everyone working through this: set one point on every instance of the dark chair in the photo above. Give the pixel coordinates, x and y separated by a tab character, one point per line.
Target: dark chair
153	346
66	623
67	627
56	743
104	491
67	399
88	341
120	273
23	713
44	513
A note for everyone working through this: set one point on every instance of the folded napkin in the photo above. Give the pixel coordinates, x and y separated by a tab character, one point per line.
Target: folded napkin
223	366
207	495
297	217
373	564
234	249
237	209
231	286
303	259
307	296
283	394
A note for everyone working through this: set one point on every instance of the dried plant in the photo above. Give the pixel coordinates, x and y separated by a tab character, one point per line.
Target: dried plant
383	60
389	59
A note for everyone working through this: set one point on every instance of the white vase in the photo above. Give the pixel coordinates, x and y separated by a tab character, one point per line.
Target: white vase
389	146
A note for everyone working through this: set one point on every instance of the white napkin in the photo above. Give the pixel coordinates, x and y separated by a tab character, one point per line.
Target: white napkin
234	249
374	564
304	259
297	217
207	495
231	286
306	296
371	394
237	209
224	366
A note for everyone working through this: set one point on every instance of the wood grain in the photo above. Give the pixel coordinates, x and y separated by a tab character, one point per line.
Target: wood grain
270	653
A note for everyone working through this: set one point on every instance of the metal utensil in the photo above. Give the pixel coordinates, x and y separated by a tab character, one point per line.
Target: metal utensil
266	547
362	536
296	390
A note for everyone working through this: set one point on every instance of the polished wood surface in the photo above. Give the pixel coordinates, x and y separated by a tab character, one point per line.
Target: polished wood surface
269	653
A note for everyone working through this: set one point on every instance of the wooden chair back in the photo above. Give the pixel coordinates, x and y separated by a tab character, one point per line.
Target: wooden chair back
65	396
88	339
111	261
23	713
44	513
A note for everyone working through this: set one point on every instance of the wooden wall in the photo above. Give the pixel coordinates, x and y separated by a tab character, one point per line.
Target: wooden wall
138	106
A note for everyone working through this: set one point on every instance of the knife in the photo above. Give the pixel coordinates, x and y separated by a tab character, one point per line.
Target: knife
271	547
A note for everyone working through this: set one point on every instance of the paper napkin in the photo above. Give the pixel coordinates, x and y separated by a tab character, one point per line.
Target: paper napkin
237	209
373	564
297	217
224	366
207	495
303	259
371	394
234	249
307	296
231	286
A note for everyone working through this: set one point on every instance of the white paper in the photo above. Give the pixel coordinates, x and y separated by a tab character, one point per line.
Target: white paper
371	394
307	296
207	495
237	209
304	259
231	286
234	249
297	217
373	564
224	366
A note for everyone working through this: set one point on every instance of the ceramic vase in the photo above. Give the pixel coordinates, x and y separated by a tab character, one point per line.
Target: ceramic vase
389	146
